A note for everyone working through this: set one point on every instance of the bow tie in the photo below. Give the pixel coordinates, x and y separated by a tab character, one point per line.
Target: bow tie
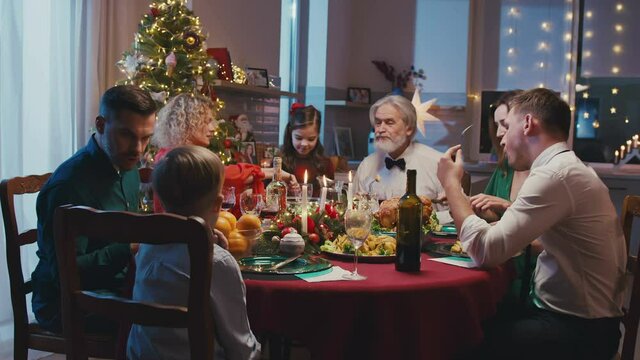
390	163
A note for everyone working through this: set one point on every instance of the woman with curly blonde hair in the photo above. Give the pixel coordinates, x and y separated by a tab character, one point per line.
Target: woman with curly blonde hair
187	119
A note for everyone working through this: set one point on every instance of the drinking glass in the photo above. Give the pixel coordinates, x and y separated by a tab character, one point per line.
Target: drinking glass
251	203
357	223
228	198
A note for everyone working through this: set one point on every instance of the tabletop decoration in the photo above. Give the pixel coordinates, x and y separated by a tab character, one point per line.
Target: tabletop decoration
304	206
350	192
323	191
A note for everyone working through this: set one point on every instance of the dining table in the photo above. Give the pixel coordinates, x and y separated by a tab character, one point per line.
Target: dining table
436	313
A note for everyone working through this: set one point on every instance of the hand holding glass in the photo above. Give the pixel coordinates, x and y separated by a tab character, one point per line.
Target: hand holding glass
251	203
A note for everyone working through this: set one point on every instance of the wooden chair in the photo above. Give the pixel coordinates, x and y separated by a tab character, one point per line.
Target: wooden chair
631	209
71	222
29	335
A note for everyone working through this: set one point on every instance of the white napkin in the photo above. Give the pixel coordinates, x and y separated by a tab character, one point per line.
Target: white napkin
334	275
456	261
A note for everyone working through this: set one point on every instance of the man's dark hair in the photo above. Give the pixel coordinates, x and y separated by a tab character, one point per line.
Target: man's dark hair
546	106
126	97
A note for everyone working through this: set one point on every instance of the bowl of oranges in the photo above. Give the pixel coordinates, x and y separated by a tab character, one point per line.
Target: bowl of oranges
241	233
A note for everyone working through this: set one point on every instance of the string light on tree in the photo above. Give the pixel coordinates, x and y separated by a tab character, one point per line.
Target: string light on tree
619	28
614	91
613	110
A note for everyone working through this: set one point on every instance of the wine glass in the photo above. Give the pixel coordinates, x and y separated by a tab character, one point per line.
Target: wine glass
228	198
251	203
357	223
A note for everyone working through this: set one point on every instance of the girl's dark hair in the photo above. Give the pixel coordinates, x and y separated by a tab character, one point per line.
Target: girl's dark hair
505	99
302	117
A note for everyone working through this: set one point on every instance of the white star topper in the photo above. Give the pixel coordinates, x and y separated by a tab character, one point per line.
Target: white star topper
422	111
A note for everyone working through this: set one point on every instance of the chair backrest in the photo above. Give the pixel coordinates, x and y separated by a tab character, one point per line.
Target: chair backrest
19	288
630	210
123	227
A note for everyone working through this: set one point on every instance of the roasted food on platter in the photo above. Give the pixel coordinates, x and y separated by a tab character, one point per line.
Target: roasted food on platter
375	245
387	215
456	247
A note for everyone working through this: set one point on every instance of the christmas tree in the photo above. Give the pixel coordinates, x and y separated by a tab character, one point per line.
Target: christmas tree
168	57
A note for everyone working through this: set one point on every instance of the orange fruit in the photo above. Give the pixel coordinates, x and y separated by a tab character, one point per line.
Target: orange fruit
248	222
237	243
230	218
224	226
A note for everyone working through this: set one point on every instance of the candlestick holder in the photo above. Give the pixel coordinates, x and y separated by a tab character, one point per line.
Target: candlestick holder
633	153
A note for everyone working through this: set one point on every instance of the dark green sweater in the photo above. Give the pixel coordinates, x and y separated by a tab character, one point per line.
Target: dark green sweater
87	178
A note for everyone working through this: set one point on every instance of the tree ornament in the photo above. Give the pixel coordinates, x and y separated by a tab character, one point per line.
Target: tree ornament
228	143
192	40
154	12
171	62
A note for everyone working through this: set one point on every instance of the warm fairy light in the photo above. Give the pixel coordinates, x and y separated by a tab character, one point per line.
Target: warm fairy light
568	16
613	110
585	115
588	34
567	77
567	36
589	14
585	95
510	31
615	69
511	51
565	97
568	56
509	69
617	48
626	120
587	53
595	124
619	28
614	91
541	64
619	7
513	11
543	46
541	85
545	26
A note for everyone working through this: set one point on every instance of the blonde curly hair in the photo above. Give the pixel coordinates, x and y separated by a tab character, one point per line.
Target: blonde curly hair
182	117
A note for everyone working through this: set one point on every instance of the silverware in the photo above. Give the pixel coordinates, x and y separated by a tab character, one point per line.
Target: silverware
283	263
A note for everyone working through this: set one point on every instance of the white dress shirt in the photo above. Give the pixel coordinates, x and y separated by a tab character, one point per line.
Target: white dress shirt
565	205
162	276
393	182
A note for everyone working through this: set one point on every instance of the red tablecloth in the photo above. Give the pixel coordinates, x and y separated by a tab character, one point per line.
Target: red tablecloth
434	314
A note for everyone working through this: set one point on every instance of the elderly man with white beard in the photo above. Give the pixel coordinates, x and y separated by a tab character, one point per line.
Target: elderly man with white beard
384	172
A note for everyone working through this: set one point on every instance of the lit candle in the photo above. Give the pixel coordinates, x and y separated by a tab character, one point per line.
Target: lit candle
350	192
304	204
622	152
616	159
635	141
628	146
323	193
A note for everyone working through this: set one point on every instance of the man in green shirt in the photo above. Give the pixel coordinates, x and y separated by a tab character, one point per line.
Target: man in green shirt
102	175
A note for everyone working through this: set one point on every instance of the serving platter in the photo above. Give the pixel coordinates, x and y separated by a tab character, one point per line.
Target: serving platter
264	265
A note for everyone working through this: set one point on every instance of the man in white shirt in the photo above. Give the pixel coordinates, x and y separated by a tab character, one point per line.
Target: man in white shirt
188	181
578	285
384	172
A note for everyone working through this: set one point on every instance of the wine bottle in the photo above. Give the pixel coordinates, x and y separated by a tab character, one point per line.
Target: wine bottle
409	227
277	189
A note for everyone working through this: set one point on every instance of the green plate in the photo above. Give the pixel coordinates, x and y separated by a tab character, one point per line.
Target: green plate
263	264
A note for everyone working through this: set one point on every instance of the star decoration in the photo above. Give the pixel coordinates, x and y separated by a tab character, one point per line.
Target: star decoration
422	109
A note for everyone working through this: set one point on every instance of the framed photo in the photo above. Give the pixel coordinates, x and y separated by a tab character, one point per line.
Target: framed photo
344	142
257	77
359	95
248	149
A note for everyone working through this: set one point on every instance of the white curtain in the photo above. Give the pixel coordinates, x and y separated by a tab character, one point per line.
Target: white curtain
56	59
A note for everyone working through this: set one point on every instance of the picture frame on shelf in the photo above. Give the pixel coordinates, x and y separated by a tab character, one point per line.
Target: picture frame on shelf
257	77
344	141
359	95
248	149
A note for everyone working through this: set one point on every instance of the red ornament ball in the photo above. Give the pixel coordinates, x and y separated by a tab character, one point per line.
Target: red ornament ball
155	12
227	143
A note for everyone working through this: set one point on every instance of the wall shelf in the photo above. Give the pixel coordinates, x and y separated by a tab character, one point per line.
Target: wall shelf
348	104
253	90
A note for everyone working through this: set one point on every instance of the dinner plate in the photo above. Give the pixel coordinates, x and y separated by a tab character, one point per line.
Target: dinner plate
379	259
445	249
446	231
263	265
